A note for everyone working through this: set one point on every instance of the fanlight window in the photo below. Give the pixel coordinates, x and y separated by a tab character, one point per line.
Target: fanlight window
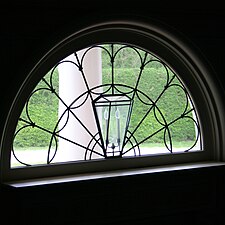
106	101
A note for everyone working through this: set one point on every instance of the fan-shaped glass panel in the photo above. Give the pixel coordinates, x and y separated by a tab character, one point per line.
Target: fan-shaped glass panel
66	117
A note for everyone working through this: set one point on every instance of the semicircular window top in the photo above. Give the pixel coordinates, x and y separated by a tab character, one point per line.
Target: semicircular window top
103	102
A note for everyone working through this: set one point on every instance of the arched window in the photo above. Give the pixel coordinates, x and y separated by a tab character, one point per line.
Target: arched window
115	95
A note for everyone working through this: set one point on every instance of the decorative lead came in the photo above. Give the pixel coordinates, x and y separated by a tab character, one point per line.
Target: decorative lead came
102	102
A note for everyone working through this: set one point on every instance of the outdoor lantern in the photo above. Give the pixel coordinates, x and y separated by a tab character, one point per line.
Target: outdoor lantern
112	113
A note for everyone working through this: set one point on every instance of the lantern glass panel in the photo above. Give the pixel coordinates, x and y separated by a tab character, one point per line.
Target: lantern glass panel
113	115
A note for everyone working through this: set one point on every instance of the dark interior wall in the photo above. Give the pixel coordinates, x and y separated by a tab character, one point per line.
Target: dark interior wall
27	31
190	197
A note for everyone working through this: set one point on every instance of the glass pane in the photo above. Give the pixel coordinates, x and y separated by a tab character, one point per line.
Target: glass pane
113	117
106	101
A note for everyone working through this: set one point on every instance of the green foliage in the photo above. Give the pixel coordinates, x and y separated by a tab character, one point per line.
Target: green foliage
170	105
43	107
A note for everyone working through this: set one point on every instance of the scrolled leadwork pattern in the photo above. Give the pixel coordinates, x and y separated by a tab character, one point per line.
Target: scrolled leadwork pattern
148	103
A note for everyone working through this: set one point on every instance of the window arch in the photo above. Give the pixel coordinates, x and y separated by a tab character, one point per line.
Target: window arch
181	71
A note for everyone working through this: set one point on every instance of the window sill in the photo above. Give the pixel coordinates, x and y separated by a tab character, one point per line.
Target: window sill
111	174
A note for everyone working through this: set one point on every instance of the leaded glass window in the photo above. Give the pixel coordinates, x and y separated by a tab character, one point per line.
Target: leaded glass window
66	117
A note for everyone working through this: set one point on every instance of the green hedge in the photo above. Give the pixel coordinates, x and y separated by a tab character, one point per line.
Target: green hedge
171	104
43	108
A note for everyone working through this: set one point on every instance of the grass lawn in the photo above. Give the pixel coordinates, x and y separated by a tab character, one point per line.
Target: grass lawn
181	144
38	155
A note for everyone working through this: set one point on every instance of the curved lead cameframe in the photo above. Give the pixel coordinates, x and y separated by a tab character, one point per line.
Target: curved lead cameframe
135	93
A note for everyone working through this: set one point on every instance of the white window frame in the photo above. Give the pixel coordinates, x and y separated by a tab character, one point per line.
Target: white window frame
172	49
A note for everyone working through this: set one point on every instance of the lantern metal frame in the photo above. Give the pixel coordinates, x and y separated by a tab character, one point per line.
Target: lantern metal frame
117	103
